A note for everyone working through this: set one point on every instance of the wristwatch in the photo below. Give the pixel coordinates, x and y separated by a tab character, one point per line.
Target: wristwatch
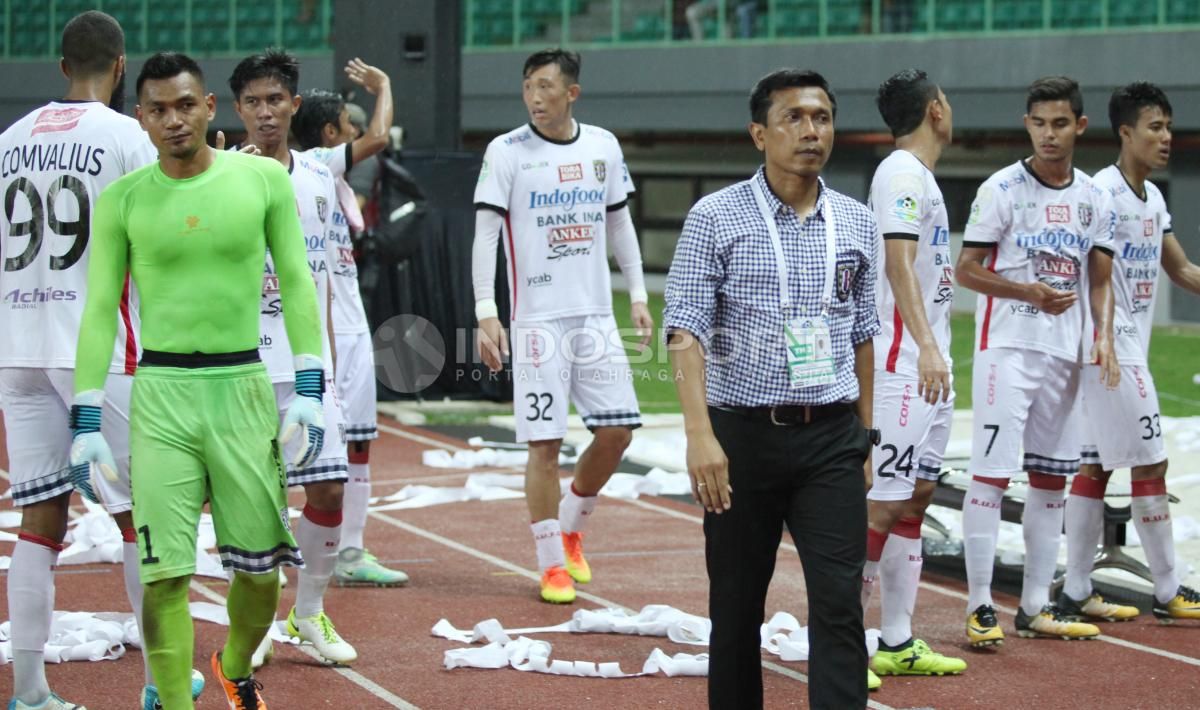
875	436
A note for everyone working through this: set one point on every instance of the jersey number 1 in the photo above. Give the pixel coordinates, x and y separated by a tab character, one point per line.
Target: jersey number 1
42	218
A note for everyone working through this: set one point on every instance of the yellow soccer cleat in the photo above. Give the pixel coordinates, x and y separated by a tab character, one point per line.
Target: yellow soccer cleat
577	566
873	681
1095	607
557	587
916	658
1051	622
1184	605
982	627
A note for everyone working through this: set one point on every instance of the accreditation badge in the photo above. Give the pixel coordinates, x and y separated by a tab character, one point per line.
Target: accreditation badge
809	352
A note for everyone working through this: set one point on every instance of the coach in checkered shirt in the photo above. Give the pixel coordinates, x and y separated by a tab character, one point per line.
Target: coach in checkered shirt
765	447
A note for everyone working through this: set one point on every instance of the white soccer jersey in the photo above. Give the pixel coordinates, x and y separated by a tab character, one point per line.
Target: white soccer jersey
906	200
349	316
555	196
1037	233
53	164
1137	254
315	198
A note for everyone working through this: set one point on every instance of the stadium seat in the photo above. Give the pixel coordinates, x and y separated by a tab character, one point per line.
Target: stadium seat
797	22
845	17
1075	13
1016	14
1179	11
1132	12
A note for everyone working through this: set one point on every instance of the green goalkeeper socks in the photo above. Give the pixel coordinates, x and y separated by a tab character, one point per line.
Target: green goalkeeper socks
251	605
167	638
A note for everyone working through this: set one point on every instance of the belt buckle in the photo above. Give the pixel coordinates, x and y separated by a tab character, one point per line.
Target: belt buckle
775	421
804	420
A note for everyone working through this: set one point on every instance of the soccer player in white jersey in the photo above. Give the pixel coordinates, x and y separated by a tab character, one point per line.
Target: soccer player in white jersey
1122	426
54	162
264	87
1039	239
914	399
555	190
322	128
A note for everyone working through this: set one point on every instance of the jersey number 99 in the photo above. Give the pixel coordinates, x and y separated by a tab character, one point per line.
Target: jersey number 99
42	218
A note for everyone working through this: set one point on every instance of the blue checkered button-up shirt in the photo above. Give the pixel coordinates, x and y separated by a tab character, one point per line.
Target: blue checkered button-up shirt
723	287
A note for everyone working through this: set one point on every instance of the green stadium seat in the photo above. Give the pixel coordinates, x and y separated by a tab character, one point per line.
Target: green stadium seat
646	28
1075	13
164	39
531	28
1183	11
844	18
797	22
1016	14
1123	13
210	40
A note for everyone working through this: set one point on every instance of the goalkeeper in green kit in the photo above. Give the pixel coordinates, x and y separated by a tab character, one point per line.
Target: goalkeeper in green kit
192	231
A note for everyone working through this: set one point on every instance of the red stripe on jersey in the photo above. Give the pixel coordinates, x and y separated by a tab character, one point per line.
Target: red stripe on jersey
897	336
512	264
987	311
130	338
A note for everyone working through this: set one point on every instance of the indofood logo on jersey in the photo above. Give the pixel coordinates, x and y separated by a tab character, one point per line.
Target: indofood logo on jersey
1058	238
566	199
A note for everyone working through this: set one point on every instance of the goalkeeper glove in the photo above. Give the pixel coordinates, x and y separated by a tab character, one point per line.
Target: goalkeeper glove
305	416
90	454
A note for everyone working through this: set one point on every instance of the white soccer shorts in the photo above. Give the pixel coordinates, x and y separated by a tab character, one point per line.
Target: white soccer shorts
1024	399
578	359
356	385
1122	427
331	464
37	409
913	437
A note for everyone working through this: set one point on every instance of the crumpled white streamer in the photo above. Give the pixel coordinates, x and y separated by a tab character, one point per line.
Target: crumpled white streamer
81	636
782	636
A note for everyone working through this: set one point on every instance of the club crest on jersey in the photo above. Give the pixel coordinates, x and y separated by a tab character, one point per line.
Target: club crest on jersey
601	169
322	208
1085	214
844	279
1058	213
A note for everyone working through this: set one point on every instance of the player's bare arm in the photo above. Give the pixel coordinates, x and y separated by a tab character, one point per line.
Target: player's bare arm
1100	296
1182	271
971	273
378	84
932	371
706	462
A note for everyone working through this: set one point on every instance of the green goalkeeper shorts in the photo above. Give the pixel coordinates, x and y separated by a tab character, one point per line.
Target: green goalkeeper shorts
208	433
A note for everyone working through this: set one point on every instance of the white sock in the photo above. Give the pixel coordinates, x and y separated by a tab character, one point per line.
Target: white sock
354	506
1085	525
1042	524
1152	519
318	543
981	528
574	509
547	537
900	572
870	576
30	608
131	559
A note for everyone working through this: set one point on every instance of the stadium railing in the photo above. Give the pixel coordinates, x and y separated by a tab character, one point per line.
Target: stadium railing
503	24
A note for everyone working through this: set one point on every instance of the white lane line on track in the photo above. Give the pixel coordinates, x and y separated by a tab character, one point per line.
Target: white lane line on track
354	677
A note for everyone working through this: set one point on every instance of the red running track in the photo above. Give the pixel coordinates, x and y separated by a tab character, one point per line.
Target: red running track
472	561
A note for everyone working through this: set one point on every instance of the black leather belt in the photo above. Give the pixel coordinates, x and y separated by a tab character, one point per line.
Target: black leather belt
793	414
197	360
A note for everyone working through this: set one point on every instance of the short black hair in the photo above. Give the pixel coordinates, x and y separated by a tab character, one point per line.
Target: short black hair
1127	102
272	64
568	63
165	65
317	109
760	96
1055	88
903	98
91	42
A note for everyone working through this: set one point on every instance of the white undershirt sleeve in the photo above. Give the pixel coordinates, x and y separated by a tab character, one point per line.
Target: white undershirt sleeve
488	224
622	240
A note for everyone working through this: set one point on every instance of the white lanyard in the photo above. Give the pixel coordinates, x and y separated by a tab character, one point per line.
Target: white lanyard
785	293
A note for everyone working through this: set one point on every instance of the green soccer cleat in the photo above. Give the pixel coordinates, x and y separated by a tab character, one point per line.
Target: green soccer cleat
916	658
357	567
873	681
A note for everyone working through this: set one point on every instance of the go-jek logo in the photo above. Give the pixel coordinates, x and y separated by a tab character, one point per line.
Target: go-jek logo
566	199
1055	239
19	298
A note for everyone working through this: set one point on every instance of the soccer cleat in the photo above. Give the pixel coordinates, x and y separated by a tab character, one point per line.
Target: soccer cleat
1095	607
263	654
982	627
51	703
916	658
318	630
557	587
1053	623
240	693
1184	605
873	681
357	567
577	567
150	693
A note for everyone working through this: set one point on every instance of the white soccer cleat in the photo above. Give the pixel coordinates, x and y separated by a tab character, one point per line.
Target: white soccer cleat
318	630
262	655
